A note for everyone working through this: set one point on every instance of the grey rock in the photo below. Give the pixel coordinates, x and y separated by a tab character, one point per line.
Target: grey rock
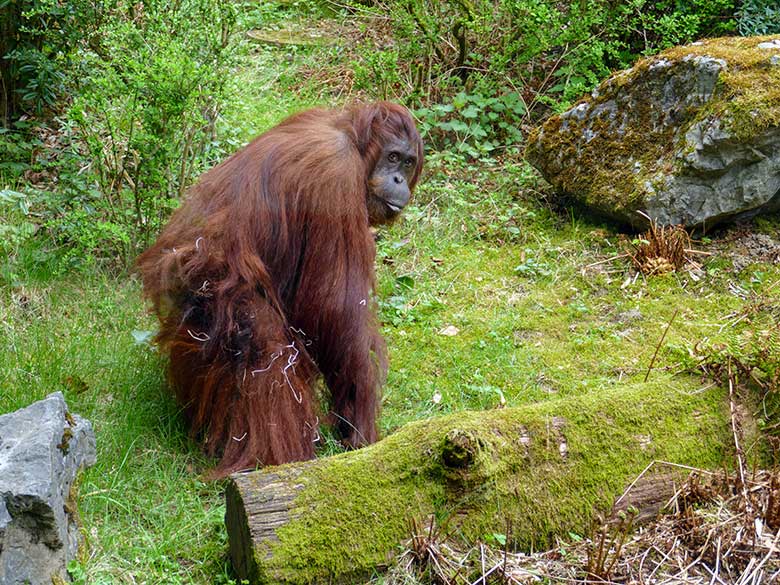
686	137
719	177
42	448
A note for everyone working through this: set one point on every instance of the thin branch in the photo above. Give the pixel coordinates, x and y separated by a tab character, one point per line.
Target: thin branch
657	347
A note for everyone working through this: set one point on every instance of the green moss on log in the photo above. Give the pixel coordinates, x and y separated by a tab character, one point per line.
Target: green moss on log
545	468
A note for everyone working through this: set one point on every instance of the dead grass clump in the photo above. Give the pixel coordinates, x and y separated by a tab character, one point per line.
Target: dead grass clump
429	557
731	527
660	249
719	528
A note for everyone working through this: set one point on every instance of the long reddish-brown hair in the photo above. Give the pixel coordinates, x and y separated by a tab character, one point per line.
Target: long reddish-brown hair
262	281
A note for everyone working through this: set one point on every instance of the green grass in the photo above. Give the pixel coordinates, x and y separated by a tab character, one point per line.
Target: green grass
476	251
145	511
525	337
534	323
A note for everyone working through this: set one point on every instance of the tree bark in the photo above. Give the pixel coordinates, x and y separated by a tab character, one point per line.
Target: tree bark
9	21
546	470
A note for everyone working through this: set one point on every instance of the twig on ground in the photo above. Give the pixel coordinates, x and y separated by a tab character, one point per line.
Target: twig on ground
657	347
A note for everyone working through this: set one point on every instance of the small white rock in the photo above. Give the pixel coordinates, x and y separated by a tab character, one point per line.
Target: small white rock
775	44
449	331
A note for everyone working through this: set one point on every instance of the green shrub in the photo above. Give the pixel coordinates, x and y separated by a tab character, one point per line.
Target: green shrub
549	53
758	17
377	71
147	106
17	145
16	229
37	38
147	81
472	124
543	44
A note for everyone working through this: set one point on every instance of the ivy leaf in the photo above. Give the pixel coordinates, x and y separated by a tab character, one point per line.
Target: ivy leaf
470	112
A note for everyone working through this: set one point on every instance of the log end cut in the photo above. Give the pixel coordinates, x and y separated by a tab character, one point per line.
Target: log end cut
256	505
237	523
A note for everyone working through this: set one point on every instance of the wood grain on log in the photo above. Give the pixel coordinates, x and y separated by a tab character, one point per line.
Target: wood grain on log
257	506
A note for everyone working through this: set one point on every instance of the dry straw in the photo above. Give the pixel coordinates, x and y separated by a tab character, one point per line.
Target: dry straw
660	249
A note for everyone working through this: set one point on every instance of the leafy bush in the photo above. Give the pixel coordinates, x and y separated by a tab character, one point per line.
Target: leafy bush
546	45
17	144
36	41
548	52
377	70
13	233
148	81
473	124
758	17
147	108
16	229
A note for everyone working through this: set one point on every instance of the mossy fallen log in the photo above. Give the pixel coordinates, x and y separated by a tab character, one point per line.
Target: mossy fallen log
544	469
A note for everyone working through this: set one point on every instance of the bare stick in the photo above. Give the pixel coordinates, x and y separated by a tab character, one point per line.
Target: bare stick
625	255
736	432
657	347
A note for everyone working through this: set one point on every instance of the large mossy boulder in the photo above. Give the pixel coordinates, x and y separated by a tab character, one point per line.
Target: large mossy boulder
690	136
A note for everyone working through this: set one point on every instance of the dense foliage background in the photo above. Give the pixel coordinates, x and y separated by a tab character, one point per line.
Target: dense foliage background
490	292
109	109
